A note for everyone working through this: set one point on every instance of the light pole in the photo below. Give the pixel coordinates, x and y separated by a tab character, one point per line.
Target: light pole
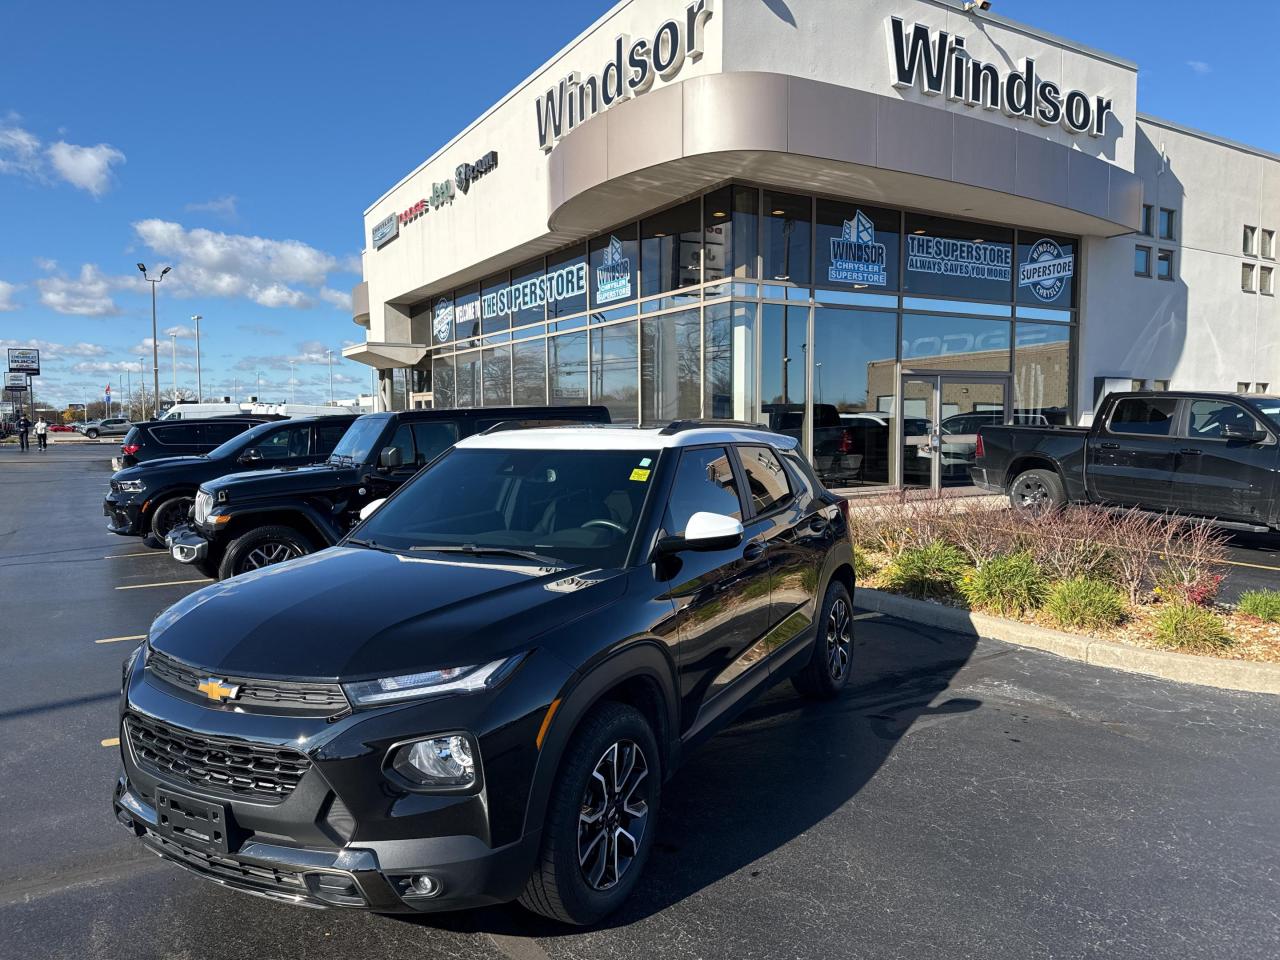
291	381
329	356
155	347
173	344
199	382
257	386
128	397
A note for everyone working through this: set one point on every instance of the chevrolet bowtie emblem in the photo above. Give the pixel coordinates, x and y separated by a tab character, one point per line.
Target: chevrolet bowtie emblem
216	690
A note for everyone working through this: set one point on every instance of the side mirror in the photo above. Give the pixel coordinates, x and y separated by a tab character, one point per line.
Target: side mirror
370	508
1232	431
390	458
252	455
705	531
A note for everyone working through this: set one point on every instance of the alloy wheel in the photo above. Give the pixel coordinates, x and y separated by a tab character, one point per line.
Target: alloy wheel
171	517
1032	494
839	639
613	815
267	554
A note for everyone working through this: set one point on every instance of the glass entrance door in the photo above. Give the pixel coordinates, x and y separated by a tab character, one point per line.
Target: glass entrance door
941	414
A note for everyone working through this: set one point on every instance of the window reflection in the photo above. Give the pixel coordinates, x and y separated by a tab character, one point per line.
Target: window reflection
731	222
529	372
567	357
954	343
613	370
443	393
669	249
670	360
787	248
497	377
1041	373
730	361
783	350
468	379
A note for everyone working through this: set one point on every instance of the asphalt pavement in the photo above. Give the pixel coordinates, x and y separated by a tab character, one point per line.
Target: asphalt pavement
962	799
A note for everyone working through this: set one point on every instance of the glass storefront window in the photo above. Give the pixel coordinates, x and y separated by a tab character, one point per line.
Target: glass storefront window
567	282
1046	270
613	370
529	372
670	367
951	258
443	389
787	247
856	246
784	335
497	377
731	223
466	313
468	379
670	249
567	356
613	261
854	381
730	361
954	343
1041	373
526	306
494	309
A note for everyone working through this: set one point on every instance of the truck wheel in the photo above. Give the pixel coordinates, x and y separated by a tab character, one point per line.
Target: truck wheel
262	547
169	514
827	672
1036	492
600	819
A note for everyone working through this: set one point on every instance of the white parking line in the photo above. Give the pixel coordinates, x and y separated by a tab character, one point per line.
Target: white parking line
141	636
866	616
149	553
167	583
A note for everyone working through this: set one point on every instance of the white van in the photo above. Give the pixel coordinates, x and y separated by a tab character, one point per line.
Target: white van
299	410
201	411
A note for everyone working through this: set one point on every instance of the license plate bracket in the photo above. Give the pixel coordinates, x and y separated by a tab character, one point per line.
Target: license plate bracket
192	822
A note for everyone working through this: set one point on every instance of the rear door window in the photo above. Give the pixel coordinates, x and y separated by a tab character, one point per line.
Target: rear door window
766	480
1149	416
215	434
433	437
286	443
177	434
704	481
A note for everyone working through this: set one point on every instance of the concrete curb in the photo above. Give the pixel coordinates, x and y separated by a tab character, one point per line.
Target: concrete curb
1181	667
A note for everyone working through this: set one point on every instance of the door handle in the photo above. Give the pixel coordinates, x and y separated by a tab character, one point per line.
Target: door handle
1189	452
1109	446
753	550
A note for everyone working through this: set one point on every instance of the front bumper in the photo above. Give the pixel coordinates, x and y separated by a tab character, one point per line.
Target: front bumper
124	512
186	545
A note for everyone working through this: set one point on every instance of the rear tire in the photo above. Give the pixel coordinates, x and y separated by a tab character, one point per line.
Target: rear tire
262	547
608	790
827	672
1036	492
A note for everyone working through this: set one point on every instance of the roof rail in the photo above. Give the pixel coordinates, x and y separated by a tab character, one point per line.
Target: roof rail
502	425
679	426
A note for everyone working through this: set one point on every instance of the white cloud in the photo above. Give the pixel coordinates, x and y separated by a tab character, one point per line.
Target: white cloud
54	351
7	290
143	346
109	366
224	207
88	168
88	295
20	152
179	331
338	298
45	264
212	263
1199	66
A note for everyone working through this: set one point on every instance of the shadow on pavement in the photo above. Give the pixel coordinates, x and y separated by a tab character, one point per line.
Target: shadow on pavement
783	767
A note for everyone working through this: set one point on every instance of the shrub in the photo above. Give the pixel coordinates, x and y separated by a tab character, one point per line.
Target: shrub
1009	586
930	572
863	568
1263	604
1189	559
1085	604
1184	626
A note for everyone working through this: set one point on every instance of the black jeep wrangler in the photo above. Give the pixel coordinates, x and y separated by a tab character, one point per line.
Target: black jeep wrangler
250	520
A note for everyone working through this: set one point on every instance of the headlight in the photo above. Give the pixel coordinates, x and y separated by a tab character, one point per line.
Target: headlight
445	761
204	503
130	486
364	693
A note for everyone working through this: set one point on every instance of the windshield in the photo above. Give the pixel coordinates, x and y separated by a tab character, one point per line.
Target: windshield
570	506
228	447
359	439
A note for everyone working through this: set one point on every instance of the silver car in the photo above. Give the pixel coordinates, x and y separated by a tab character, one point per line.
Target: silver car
110	427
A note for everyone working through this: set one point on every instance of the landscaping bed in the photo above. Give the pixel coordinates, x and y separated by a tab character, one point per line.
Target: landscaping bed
1131	578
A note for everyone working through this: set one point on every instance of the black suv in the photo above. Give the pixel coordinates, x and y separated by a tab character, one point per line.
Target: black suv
180	438
253	520
479	694
149	499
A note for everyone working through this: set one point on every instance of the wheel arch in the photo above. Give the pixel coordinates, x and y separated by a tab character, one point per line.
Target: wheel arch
1032	461
167	493
299	519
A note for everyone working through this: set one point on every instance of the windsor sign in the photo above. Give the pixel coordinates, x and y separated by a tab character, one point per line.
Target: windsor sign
940	66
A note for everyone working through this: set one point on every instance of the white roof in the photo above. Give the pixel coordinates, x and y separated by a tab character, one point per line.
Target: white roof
586	437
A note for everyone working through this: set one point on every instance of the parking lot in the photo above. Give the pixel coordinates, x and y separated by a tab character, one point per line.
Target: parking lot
960	800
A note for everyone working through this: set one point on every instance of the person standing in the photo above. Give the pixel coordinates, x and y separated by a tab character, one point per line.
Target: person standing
24	432
42	433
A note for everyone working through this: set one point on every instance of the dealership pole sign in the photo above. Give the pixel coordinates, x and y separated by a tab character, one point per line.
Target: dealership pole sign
629	73
15	381
24	360
940	65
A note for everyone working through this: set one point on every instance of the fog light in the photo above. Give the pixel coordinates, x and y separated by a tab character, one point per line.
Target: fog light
422	885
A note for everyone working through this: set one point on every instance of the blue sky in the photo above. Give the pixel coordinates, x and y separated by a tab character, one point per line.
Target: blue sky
240	142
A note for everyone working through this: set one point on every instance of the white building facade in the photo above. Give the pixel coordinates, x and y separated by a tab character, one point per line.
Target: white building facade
865	224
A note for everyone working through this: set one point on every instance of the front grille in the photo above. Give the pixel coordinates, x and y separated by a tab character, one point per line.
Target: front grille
263	879
204	504
232	768
274	696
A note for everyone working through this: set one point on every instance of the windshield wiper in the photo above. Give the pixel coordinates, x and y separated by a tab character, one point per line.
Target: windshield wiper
474	550
357	541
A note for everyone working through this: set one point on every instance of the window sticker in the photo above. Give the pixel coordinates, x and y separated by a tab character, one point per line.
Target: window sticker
640	475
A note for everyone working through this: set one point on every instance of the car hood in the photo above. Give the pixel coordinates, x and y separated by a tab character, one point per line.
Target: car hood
261	483
351	613
149	468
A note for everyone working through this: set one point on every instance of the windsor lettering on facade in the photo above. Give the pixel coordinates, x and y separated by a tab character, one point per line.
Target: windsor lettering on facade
941	66
629	74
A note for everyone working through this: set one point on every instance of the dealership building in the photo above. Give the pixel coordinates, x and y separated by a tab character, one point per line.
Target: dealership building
862	223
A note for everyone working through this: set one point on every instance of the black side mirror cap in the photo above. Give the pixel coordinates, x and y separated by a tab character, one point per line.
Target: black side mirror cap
252	455
390	458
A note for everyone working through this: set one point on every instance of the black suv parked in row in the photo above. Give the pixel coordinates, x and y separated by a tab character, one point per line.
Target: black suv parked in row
480	693
149	499
178	438
252	520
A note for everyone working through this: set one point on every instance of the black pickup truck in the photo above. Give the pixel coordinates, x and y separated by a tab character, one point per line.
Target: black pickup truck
1211	455
249	520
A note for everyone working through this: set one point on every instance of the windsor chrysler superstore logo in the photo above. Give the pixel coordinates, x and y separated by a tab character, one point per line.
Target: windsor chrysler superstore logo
1046	270
856	257
959	258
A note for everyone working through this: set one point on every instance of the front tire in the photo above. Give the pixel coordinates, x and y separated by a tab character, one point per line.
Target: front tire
91	434
600	819
827	672
169	514
262	547
1037	492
